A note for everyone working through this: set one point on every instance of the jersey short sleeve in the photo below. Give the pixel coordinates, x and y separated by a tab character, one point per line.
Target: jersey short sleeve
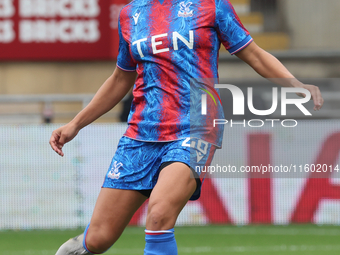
233	35
124	59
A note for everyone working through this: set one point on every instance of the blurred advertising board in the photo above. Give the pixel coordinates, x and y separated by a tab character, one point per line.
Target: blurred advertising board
59	29
39	189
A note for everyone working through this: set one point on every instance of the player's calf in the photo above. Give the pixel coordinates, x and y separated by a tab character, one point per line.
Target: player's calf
79	246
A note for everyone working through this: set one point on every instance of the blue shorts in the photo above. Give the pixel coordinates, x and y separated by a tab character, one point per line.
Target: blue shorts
136	164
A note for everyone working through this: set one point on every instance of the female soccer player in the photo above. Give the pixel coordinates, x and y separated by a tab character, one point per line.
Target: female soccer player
168	44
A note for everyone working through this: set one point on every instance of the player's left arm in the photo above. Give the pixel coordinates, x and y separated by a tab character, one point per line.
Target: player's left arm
271	68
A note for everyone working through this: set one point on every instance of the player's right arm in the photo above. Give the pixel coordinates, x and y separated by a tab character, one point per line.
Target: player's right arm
109	94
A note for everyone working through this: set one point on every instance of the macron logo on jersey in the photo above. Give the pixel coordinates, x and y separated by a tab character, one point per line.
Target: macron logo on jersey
135	17
156	48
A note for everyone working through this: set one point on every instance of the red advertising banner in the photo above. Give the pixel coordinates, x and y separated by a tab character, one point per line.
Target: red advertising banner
115	7
59	29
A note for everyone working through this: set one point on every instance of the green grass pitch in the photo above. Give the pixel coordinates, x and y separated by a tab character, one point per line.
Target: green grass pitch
212	240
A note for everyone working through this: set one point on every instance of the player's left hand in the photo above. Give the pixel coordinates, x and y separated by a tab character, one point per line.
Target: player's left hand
316	95
61	136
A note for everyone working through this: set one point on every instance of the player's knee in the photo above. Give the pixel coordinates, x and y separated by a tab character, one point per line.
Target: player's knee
98	242
159	218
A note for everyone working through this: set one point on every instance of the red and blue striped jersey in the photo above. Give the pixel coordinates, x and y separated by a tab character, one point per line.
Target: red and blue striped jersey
169	43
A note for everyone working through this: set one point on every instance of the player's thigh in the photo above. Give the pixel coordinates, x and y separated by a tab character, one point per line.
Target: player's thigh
174	187
113	211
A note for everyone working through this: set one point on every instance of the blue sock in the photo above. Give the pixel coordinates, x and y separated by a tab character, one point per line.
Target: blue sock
160	242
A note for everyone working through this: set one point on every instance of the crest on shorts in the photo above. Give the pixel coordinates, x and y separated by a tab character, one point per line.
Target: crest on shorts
185	10
114	173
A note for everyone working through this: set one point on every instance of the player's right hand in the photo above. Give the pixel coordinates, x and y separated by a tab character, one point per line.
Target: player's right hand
61	136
